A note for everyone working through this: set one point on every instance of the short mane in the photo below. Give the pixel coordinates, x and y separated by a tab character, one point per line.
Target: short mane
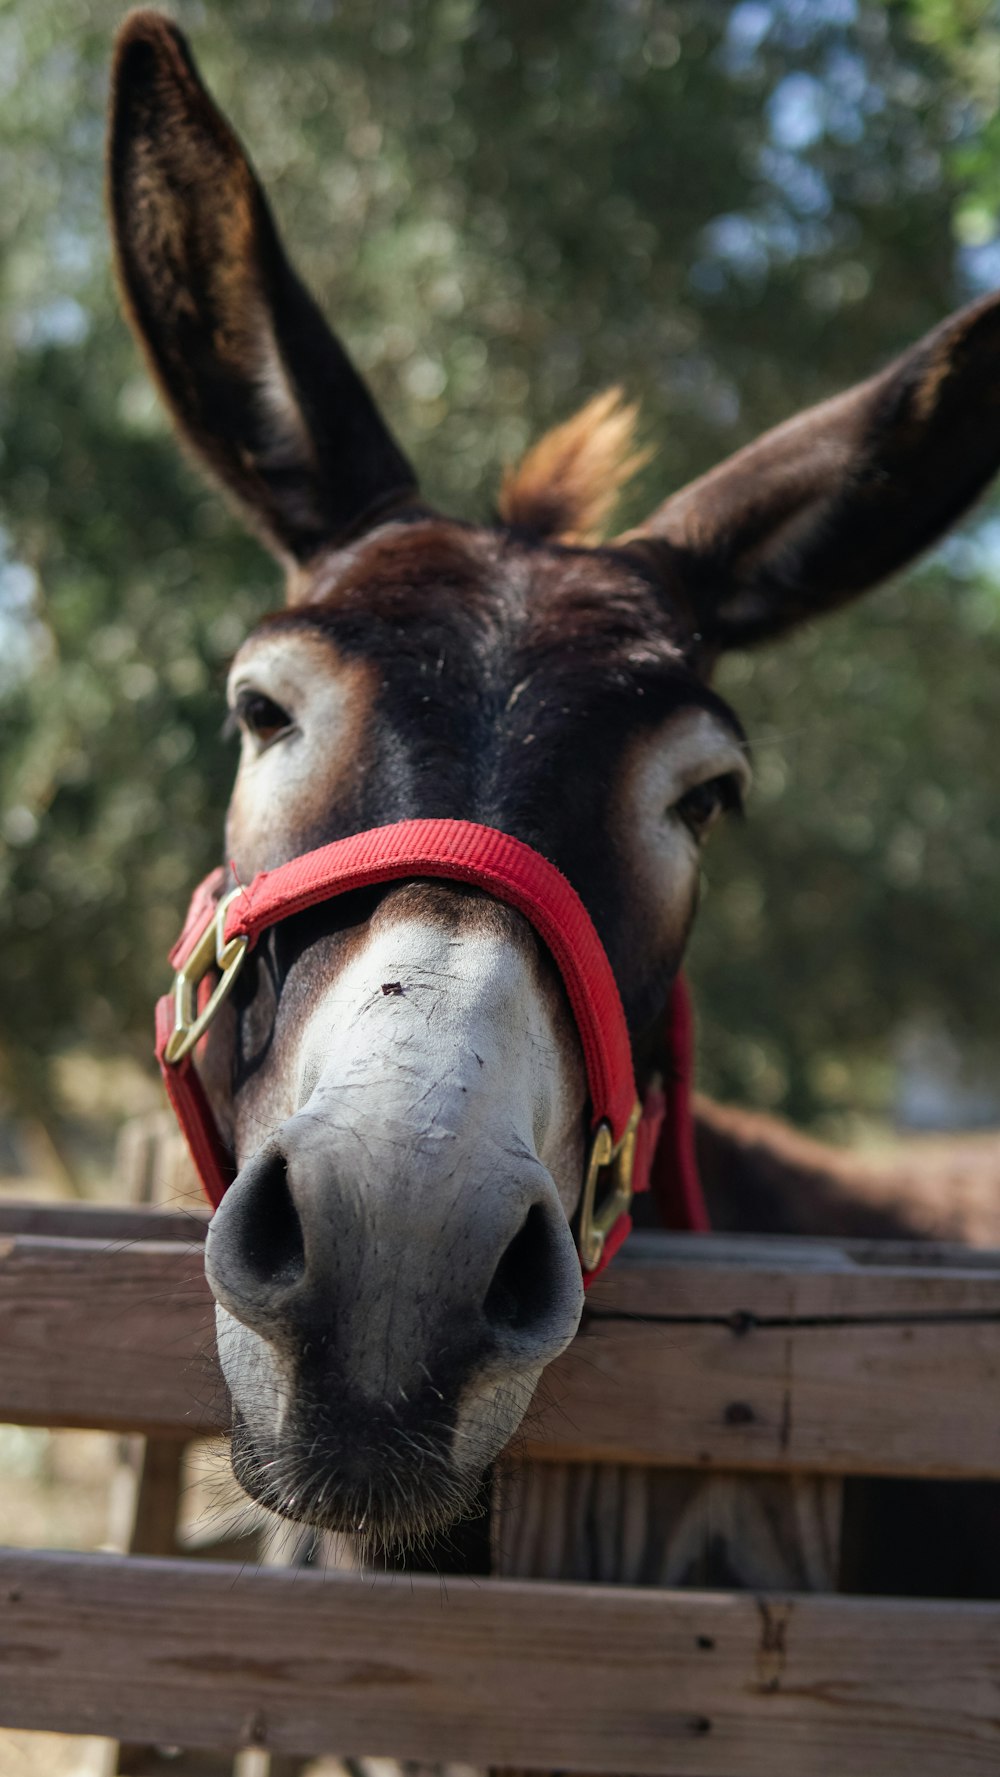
569	481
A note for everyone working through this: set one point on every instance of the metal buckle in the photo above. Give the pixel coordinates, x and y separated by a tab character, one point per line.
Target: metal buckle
597	1223
210	952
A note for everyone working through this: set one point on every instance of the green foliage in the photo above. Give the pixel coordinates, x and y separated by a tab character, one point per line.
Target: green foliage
733	211
965	38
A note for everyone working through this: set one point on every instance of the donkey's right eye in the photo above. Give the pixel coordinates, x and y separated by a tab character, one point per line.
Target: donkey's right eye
262	717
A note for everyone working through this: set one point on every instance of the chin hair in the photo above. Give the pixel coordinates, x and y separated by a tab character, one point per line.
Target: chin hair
408	1497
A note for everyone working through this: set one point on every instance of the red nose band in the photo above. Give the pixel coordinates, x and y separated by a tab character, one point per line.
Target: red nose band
633	1147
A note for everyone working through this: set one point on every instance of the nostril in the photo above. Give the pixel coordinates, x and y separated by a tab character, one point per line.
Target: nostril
274	1249
520	1294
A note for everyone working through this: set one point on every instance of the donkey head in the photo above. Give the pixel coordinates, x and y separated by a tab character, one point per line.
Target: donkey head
398	1071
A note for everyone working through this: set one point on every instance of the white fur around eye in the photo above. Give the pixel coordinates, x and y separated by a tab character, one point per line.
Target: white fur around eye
286	785
693	747
690	748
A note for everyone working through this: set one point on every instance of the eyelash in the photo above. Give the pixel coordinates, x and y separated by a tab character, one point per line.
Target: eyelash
724	793
251	712
726	797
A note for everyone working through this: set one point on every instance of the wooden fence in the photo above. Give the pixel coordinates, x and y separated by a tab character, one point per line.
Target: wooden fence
711	1423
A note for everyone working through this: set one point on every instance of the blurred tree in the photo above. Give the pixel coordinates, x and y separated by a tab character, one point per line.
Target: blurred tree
731	209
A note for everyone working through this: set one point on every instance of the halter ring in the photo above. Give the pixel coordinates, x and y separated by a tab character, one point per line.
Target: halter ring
210	952
619	1163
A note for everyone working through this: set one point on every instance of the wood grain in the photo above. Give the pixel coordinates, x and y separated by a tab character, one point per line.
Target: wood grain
845	1395
529	1675
700	1353
641	1525
786	1356
117	1337
617	1524
102	1222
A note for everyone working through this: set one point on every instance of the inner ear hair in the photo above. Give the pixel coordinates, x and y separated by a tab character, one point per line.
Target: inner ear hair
258	386
822	508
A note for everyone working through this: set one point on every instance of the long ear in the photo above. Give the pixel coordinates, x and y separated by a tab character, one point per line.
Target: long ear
824	506
257	383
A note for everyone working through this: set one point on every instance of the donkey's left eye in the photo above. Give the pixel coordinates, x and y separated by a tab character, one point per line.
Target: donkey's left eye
262	717
701	807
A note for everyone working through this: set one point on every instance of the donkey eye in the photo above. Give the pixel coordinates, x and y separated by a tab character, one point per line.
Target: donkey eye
701	807
262	717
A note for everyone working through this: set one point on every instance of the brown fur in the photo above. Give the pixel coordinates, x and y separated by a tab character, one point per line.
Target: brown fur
567	485
258	386
819	509
761	1176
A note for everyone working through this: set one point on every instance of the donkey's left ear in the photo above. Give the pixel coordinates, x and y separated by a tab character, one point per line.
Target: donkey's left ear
828	504
257	383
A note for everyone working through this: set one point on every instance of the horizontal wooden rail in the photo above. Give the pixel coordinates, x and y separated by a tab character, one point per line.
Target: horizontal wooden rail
713	1352
101	1221
115	1336
785	1357
581	1678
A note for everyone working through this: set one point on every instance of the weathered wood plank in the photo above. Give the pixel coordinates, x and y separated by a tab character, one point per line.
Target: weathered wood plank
110	1336
845	1396
590	1679
102	1222
642	1525
689	1360
711	1277
802	1252
619	1524
786	1356
616	1524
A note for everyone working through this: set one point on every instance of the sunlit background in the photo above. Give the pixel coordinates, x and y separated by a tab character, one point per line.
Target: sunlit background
732	210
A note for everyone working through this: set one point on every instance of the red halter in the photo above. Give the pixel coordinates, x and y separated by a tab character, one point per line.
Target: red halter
634	1147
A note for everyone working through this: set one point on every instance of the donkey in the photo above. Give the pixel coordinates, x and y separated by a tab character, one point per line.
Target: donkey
398	1072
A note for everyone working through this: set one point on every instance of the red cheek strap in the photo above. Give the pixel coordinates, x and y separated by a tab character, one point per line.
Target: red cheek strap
634	1147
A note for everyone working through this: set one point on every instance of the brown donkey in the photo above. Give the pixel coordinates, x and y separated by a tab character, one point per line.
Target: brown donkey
397	1072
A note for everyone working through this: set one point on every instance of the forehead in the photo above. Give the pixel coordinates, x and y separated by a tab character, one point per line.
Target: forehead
523	687
488	614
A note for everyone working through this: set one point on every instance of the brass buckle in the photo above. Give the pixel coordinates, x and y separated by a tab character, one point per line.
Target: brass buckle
210	952
597	1223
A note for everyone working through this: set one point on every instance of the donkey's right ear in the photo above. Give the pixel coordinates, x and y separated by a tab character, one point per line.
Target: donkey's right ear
256	381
